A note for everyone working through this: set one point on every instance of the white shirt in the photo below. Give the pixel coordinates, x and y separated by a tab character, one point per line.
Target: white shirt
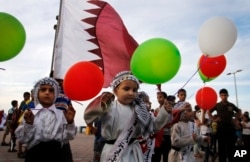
49	124
246	131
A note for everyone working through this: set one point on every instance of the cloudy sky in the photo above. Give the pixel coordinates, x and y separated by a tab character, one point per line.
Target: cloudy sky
177	21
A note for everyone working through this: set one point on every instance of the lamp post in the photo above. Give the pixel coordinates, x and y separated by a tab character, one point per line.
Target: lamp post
235	86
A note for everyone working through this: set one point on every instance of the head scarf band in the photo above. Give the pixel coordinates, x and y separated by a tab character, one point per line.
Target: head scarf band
45	81
122	76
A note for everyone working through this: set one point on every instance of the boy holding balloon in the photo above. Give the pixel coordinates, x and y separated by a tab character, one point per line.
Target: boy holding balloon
124	119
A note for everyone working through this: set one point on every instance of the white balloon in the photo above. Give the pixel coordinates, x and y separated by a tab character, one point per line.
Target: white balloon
217	36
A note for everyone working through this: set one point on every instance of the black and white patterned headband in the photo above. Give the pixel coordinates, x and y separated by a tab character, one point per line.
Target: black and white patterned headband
46	81
122	76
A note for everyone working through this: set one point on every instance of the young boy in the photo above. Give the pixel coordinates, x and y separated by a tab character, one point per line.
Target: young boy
183	136
181	94
124	119
47	129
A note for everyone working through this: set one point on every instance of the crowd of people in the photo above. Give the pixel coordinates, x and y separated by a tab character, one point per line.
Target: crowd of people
125	125
186	134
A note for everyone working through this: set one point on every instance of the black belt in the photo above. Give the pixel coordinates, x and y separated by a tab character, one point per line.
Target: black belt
176	148
111	142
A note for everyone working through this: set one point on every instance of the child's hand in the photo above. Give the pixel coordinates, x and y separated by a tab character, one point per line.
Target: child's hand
194	136
70	114
93	130
29	116
107	98
207	139
184	106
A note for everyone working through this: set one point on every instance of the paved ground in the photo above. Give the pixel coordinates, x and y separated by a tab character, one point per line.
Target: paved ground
81	146
82	149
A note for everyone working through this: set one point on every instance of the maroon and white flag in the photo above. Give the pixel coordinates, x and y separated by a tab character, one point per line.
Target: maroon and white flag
91	31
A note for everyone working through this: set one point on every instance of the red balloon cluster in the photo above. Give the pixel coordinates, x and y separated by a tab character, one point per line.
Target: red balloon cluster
206	98
83	81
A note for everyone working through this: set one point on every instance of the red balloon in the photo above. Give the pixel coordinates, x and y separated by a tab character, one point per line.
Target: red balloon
212	66
205	78
83	81
206	98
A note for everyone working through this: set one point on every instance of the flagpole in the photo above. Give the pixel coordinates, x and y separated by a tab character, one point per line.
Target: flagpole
56	34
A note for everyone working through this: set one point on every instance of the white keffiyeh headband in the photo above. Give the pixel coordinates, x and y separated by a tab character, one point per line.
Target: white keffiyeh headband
45	81
122	76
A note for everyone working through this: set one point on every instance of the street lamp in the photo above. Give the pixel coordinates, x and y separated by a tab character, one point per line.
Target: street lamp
235	86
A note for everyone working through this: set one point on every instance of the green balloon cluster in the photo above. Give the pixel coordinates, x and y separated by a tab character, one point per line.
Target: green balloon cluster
12	36
155	61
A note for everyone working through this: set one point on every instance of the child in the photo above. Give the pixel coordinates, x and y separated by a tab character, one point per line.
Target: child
214	137
162	137
206	131
123	120
183	137
181	94
13	125
2	119
198	122
47	129
246	131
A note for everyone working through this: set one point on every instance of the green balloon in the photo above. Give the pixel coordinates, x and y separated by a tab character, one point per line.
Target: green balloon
12	36
155	61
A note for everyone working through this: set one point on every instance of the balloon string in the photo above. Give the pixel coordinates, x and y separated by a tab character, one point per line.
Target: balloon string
188	80
194	74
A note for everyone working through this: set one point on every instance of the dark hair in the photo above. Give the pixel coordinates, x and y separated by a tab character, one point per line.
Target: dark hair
26	94
246	112
181	90
14	103
163	93
247	116
223	91
196	108
171	98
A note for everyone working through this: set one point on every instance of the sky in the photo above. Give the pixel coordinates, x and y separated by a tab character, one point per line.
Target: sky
177	21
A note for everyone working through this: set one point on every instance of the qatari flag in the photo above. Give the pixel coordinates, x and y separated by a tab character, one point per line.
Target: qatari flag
92	31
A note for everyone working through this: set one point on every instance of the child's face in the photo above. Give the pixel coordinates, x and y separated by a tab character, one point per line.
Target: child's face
46	95
168	105
26	97
148	103
160	98
182	96
126	91
189	114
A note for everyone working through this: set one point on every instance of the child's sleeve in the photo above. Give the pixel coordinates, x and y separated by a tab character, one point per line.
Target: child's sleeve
178	140
94	110
162	118
25	132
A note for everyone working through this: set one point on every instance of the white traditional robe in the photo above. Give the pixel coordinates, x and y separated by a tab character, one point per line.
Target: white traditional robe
49	124
181	137
114	121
